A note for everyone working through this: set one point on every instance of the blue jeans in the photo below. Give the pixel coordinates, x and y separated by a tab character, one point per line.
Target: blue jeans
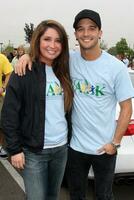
78	166
43	173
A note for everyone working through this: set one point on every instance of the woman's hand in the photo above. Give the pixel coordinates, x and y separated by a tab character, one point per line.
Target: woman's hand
20	67
18	160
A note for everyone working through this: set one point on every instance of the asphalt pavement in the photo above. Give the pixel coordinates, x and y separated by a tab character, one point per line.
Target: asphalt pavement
9	188
12	187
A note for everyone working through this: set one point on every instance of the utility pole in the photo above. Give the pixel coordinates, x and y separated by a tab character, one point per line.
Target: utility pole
1	43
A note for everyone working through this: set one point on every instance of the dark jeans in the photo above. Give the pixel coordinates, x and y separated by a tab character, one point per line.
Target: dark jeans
2	139
78	166
43	173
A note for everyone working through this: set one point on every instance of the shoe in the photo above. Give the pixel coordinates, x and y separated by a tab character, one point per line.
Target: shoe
3	153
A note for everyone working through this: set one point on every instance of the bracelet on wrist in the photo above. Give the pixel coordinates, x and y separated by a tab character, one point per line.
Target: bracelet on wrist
115	145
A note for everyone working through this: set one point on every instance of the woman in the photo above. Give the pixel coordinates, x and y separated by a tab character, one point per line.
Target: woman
33	115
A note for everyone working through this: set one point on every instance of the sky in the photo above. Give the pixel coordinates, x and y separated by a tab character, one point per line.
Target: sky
117	18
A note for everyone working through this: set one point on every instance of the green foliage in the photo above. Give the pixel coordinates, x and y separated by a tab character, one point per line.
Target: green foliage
112	51
122	46
130	53
8	48
28	32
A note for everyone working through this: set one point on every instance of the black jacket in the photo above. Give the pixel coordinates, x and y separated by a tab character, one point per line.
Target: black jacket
23	112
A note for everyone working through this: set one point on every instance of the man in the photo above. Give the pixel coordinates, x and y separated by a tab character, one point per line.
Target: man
126	61
14	52
99	81
5	70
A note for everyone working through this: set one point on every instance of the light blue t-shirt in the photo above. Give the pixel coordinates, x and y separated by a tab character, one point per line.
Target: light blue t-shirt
98	86
55	122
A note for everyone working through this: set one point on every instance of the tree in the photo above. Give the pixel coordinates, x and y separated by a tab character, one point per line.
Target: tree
28	32
130	54
112	51
121	49
8	48
122	46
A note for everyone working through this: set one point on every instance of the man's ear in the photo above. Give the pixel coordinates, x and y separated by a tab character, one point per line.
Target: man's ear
100	34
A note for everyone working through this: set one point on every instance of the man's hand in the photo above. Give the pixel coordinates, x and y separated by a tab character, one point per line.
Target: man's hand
108	148
21	65
18	160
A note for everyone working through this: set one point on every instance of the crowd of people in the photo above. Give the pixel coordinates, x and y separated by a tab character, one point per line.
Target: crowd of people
59	111
129	63
7	63
5	71
15	54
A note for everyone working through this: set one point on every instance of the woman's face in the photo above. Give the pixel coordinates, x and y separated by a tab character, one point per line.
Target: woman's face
21	52
50	46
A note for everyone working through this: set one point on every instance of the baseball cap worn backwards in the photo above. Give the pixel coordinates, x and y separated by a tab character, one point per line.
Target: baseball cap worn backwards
94	16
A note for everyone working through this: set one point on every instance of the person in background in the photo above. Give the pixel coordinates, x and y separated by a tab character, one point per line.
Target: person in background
33	114
126	61
14	52
5	70
20	52
123	58
10	56
99	82
119	56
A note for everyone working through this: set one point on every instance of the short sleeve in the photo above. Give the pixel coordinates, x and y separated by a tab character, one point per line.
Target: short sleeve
6	66
123	86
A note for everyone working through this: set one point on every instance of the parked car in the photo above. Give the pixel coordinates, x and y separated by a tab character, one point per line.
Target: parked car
124	170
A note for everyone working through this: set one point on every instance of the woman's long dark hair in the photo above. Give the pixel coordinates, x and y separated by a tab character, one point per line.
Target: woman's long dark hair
61	63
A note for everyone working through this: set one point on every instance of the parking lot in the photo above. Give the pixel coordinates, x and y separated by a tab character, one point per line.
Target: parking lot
12	188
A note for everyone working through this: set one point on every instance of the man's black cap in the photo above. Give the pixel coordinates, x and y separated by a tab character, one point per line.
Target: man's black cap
94	16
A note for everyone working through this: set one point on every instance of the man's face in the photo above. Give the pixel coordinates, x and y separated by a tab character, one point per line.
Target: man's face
87	33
